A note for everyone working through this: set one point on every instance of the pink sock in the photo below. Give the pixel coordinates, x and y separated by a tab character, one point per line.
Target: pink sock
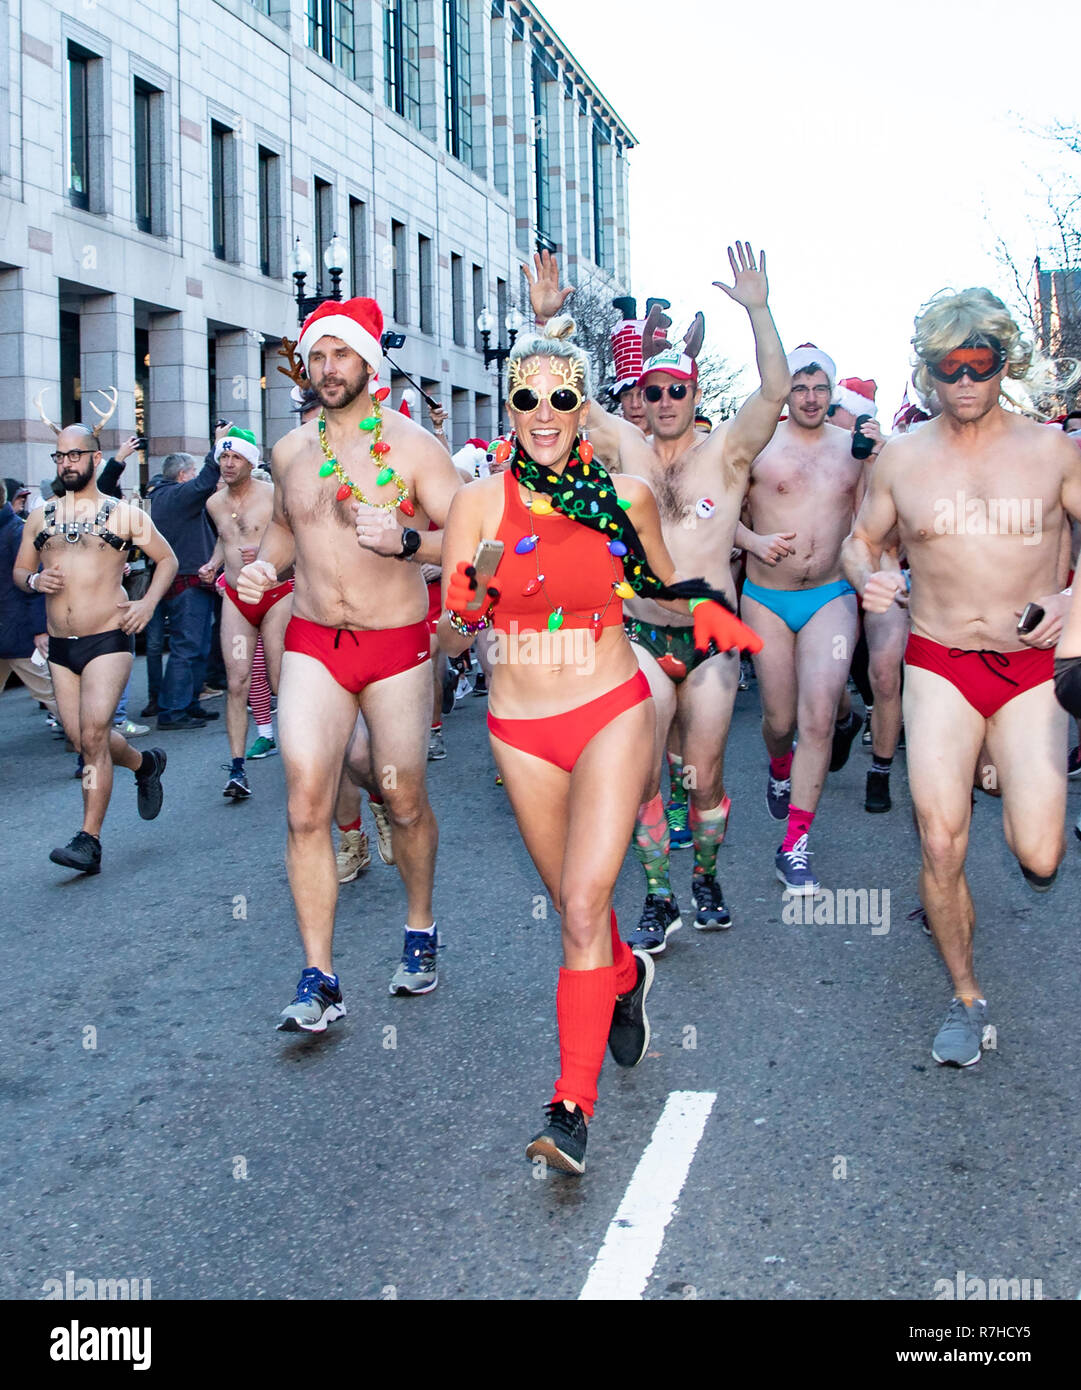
781	767
799	822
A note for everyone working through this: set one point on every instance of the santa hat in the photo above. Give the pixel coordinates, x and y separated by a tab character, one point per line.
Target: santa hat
238	442
357	322
909	414
856	396
799	359
408	403
673	363
473	457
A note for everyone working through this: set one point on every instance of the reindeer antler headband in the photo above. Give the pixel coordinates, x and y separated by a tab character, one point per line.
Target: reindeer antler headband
111	394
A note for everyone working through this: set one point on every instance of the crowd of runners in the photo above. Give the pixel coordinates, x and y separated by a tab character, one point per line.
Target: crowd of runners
611	571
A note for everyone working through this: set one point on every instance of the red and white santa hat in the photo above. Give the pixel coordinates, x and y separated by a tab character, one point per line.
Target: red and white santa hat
357	322
856	396
807	355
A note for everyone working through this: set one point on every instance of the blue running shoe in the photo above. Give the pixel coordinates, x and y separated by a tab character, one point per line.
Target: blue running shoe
680	834
418	971
794	869
778	795
318	1002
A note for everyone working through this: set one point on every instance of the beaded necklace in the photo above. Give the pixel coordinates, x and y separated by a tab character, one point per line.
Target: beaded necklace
378	449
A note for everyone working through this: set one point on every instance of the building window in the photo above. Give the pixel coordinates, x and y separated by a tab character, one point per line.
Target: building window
480	303
459	79
401	57
149	158
270	212
501	305
602	206
401	272
330	32
457	295
223	191
543	219
79	63
358	246
324	224
427	285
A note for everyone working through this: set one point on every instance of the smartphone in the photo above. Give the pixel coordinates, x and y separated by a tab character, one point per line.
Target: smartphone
485	562
1031	618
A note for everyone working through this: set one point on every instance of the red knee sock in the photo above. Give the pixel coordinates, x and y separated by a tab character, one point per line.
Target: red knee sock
781	767
259	693
584	1003
623	961
799	822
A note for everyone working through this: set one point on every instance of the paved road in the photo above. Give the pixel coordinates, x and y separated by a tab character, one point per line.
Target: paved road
386	1157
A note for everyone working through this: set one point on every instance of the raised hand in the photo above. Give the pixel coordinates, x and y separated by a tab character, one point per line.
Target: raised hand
545	296
751	288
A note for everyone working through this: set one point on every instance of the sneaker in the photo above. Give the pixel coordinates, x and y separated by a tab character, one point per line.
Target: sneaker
920	915
562	1141
1073	763
210	692
186	721
450	684
778	795
317	1003
83	852
198	712
843	736
865	737
353	855
480	685
463	688
437	749
150	712
51	722
382	826
794	869
660	917
418	972
237	785
629	1034
711	914
957	1043
148	789
130	729
80	768
680	834
261	748
878	792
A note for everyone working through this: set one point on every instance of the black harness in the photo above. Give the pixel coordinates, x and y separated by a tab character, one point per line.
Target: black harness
73	531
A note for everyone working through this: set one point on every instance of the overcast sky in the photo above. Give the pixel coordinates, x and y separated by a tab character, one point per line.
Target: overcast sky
874	150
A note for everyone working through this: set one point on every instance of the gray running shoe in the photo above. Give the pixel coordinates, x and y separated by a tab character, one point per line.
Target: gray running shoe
318	1002
958	1041
418	971
382	825
437	749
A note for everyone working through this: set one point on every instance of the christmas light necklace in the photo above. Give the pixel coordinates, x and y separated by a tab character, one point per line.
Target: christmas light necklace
378	449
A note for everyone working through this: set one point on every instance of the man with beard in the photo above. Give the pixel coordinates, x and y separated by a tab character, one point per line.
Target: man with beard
699	482
978	497
804	484
82	540
241	512
354	492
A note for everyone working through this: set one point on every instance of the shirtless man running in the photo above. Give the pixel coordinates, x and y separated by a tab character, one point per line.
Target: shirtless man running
358	636
82	540
699	483
241	512
972	676
803	486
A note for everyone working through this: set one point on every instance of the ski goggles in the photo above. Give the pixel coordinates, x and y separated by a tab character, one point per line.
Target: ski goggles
980	362
564	400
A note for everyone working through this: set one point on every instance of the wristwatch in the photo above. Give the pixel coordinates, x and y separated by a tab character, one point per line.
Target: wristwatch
31	586
410	544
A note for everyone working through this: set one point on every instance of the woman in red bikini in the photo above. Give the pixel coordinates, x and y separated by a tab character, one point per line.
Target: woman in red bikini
570	713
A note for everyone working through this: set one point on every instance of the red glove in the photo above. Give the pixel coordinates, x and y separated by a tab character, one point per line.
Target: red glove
462	590
713	623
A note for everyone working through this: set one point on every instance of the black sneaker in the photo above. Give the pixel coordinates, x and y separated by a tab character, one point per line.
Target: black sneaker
712	915
184	722
148	789
450	685
562	1141
237	785
200	712
480	685
150	711
660	916
865	737
878	792
843	736
82	853
628	1036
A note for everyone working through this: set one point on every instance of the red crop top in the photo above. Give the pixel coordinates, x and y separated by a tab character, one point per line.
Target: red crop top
580	573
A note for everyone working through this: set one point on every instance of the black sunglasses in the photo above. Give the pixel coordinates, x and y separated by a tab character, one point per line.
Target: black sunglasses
677	391
564	399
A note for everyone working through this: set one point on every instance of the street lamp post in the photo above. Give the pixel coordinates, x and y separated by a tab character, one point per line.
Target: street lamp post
485	327
300	263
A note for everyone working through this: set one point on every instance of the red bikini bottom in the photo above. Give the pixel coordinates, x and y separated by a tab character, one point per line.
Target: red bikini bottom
561	738
987	679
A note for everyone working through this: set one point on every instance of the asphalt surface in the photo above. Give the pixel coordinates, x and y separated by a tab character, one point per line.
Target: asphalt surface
194	1145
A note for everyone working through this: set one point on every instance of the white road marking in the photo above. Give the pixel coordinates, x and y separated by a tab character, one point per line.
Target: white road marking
634	1239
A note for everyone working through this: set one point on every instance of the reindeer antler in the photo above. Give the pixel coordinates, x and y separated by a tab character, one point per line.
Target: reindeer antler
695	335
105	415
41	411
654	331
295	370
